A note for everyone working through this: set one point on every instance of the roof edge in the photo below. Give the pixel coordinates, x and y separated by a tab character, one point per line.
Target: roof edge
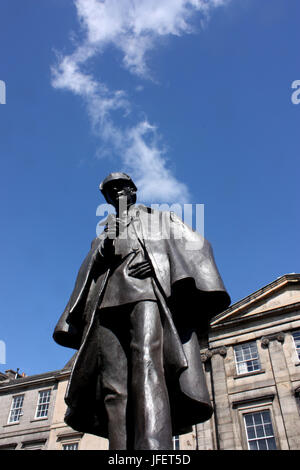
274	285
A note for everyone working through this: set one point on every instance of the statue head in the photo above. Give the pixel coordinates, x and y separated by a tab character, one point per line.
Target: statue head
116	186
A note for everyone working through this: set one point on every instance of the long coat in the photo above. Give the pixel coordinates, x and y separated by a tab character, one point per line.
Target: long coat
189	292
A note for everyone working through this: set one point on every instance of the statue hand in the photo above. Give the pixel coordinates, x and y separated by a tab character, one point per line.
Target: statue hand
141	270
114	227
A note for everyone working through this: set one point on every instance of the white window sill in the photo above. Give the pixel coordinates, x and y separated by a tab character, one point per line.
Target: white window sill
246	374
11	424
42	418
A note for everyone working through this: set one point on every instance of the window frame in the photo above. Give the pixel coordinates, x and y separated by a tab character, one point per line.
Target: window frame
38	444
252	358
70	443
41	404
297	347
12	408
297	398
176	442
252	405
255	426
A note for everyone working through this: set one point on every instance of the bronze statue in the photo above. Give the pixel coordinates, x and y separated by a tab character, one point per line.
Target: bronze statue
140	299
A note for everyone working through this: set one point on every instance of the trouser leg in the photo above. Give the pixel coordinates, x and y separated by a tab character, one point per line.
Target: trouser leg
152	420
114	370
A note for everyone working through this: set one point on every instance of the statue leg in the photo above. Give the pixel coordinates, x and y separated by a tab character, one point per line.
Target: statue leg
114	377
152	419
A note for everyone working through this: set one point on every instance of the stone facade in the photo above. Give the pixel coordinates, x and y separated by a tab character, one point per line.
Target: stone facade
48	432
252	367
266	320
26	431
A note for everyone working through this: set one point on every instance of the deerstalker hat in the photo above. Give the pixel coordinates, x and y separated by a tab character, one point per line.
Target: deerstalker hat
116	176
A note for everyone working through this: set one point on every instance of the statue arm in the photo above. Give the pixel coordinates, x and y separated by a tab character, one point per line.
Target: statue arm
69	328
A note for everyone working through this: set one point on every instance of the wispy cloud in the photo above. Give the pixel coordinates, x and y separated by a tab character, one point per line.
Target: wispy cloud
134	27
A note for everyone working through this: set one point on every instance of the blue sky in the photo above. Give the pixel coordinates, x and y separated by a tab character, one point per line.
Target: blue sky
200	97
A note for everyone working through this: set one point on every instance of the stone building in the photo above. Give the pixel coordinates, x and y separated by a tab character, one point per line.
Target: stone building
252	366
253	362
32	413
26	409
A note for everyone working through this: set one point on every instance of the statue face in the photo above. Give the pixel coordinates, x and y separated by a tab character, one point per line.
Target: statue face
114	190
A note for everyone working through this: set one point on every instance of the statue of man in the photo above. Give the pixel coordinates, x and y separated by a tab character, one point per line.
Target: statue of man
146	290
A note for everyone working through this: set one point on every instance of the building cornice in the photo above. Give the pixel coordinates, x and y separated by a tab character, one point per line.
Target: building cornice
68	435
257	316
34	380
260	293
23	432
257	399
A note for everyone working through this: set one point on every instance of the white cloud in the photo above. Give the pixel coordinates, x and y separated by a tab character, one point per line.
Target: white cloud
134	27
148	164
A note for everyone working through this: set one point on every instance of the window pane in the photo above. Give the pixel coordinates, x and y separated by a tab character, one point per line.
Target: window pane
271	444
257	418
249	420
242	368
238	355
251	433
262	444
266	417
260	431
268	429
253	445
